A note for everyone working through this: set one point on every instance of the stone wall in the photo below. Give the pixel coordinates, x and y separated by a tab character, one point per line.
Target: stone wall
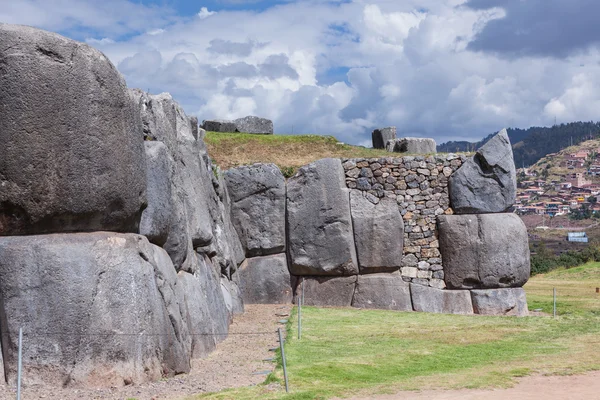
419	185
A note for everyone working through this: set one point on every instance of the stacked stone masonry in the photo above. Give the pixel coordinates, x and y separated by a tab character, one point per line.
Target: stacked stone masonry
419	186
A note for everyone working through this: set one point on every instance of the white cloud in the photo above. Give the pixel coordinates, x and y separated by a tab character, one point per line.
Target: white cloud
386	62
204	13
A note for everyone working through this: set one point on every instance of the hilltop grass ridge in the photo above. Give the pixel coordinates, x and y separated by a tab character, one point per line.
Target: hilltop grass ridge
346	352
288	152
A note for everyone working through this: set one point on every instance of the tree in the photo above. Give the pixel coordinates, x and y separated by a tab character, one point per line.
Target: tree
592	199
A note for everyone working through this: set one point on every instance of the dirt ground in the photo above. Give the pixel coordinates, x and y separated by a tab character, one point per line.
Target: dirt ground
238	361
575	387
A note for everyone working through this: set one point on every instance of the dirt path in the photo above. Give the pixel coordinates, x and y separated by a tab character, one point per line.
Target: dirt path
235	363
575	387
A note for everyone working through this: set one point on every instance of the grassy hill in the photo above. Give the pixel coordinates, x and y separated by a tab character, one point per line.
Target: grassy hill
288	152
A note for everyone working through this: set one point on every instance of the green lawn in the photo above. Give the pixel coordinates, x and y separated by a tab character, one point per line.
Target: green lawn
349	351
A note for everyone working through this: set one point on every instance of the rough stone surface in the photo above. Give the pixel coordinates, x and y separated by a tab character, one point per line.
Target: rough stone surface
81	298
266	280
321	241
326	291
219	125
487	182
382	291
500	302
233	297
381	136
432	300
160	168
77	122
252	124
484	251
258	207
378	233
249	124
411	145
208	317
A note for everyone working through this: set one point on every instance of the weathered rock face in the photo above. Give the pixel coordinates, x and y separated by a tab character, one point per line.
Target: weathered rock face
70	120
249	124
411	145
321	241
432	300
485	251
378	232
486	183
258	207
207	314
266	280
500	302
381	136
327	291
219	125
156	219
99	284
382	291
252	124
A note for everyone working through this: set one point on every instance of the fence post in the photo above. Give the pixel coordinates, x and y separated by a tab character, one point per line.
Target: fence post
554	302
300	300
20	363
283	360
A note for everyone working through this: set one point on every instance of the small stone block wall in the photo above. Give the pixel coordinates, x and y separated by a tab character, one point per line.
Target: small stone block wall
419	185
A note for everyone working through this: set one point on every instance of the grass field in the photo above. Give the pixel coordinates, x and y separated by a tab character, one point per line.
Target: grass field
288	152
350	351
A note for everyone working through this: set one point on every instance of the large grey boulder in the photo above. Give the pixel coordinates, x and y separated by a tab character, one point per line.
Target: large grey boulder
252	124
432	300
219	125
207	314
485	251
382	291
160	171
257	195
487	182
326	291
378	233
233	297
266	280
72	156
81	300
320	237
380	137
500	302
411	145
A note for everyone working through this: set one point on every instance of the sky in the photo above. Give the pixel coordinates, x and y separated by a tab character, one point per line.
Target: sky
446	69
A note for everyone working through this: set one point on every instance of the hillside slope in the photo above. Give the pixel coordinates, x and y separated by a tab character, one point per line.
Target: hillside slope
530	145
288	152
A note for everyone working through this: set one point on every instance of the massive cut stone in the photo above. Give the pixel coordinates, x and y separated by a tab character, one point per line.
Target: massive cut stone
266	280
487	182
219	125
252	124
432	300
381	136
96	308
257	194
378	233
382	291
500	302
326	291
208	317
233	297
72	156
156	219
321	241
411	145
193	196
485	251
